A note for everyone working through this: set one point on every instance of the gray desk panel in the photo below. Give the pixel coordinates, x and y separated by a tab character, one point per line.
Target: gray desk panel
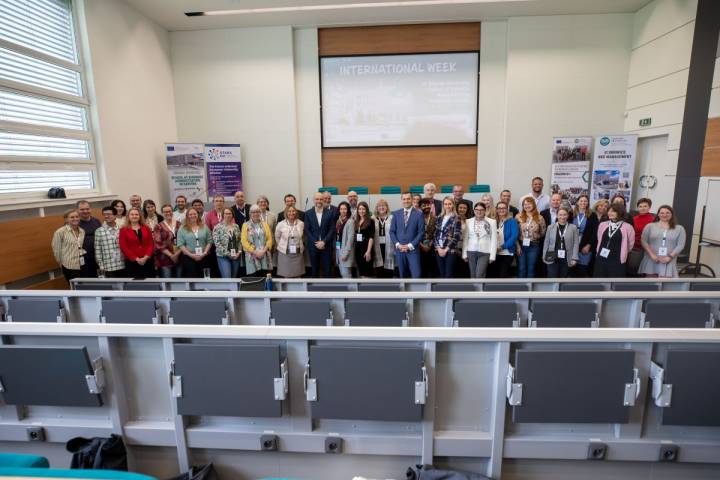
327	287
573	386
94	286
636	287
375	313
129	310
48	375
453	287
506	287
228	380
676	314
582	287
34	309
705	287
563	313
379	287
143	286
366	383
198	311
300	312
485	313
695	380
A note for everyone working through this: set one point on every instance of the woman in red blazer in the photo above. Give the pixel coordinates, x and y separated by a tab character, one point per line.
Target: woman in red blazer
136	244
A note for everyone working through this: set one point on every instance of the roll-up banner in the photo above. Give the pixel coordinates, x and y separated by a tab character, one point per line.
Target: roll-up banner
224	169
571	166
186	170
613	167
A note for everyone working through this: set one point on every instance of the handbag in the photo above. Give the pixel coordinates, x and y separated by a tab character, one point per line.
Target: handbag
98	453
427	472
56	192
550	256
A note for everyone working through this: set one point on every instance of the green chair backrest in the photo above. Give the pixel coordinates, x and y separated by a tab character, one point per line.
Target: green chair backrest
23	460
93	474
359	190
390	190
480	188
446	188
416	189
333	190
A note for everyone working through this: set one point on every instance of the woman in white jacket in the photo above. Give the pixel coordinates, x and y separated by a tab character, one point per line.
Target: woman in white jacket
479	241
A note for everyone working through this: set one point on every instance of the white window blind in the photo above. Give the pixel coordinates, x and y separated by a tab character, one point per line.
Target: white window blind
45	131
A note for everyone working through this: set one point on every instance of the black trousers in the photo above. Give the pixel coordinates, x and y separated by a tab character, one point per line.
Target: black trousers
135	270
500	268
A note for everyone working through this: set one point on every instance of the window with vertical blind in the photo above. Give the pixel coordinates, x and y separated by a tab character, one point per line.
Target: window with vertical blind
45	134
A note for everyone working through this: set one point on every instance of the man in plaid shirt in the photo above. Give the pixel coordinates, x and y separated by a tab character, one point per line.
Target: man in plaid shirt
107	246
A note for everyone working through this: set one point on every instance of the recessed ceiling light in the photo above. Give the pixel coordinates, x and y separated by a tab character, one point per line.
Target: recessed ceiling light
342	6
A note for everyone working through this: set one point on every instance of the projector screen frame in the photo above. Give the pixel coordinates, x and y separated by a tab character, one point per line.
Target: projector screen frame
477	99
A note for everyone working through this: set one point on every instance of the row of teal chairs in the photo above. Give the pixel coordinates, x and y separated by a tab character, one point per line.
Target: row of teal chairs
34	466
396	190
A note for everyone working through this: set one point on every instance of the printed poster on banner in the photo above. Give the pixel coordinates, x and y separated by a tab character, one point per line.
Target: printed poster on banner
224	169
186	169
571	167
613	167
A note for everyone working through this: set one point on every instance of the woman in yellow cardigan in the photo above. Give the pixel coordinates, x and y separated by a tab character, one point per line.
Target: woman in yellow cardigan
257	242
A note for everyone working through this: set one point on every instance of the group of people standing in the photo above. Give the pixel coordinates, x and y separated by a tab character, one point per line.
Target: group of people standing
427	237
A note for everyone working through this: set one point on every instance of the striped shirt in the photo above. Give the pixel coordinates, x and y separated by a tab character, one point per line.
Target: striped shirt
107	248
67	247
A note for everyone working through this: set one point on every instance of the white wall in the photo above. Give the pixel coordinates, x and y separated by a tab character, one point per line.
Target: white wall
657	82
558	76
238	86
134	107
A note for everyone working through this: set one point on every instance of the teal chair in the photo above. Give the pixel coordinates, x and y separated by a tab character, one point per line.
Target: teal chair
446	188
359	190
94	474
390	190
417	189
332	190
481	188
22	460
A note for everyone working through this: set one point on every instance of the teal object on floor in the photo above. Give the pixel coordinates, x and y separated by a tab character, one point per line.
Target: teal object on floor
22	460
93	474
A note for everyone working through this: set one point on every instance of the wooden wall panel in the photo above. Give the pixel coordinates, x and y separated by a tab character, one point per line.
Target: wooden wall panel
390	39
57	283
711	154
26	246
404	166
375	167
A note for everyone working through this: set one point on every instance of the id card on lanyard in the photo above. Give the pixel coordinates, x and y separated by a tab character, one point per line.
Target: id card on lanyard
605	251
663	251
292	244
561	250
198	249
526	237
81	252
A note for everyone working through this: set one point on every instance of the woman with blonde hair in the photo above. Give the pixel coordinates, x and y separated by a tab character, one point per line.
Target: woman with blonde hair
137	246
194	239
532	230
384	248
290	245
67	245
487	200
226	238
586	223
257	241
267	216
448	235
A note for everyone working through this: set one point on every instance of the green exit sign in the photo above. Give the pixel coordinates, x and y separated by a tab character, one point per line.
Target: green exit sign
645	122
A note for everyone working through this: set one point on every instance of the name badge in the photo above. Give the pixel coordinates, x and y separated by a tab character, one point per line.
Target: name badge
561	254
82	260
198	251
359	237
338	245
233	252
662	251
381	240
526	242
604	252
292	249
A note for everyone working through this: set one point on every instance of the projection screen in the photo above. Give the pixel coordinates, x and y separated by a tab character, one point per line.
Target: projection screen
399	100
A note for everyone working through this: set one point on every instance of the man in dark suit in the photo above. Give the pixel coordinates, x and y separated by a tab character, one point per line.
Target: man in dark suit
550	214
290	201
406	233
429	190
327	201
320	235
241	210
458	192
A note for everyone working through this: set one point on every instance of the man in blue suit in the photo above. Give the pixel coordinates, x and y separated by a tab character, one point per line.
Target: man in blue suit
406	232
320	235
